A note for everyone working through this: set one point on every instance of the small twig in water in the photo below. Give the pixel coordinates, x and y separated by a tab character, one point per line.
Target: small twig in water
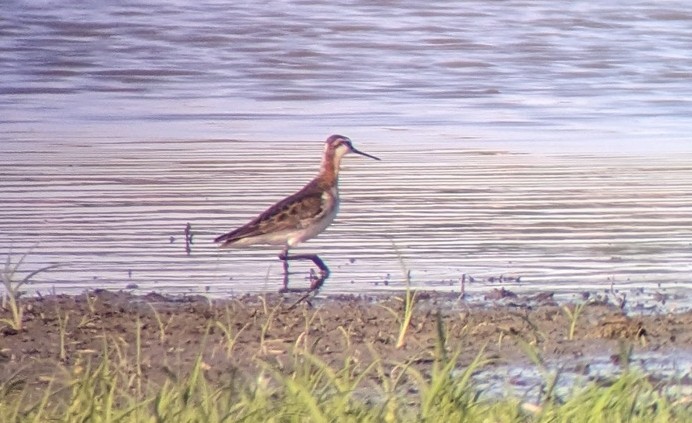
188	238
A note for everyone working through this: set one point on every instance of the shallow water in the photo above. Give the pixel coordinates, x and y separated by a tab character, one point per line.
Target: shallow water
557	221
528	383
524	138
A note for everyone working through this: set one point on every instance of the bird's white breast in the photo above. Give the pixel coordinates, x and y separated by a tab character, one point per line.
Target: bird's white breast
314	226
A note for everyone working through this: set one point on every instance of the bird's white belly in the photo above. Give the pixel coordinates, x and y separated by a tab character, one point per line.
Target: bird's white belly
300	235
290	237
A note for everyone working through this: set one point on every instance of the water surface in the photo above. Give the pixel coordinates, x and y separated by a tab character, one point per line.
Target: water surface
523	138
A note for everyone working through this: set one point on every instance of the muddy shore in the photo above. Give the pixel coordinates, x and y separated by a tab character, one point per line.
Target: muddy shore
60	333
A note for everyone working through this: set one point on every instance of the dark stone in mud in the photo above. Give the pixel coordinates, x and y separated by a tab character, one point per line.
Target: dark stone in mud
9	331
499	294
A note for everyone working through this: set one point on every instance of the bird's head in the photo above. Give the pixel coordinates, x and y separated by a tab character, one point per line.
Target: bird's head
338	146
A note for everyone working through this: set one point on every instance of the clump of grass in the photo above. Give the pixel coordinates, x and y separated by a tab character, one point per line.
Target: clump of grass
409	301
572	315
163	327
265	343
316	392
229	338
12	284
628	398
447	394
62	332
405	322
404	318
550	378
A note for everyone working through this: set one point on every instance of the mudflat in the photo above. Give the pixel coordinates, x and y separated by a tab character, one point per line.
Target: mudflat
61	333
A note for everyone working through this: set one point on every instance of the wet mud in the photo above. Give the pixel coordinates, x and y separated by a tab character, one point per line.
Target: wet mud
234	336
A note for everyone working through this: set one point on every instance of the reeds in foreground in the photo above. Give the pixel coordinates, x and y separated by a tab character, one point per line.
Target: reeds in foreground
111	388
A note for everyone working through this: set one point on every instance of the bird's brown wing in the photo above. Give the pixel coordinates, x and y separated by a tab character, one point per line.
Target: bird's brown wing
289	213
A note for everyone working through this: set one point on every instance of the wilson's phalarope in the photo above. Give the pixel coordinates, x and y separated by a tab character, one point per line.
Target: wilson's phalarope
300	216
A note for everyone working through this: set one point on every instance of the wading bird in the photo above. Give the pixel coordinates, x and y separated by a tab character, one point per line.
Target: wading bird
301	216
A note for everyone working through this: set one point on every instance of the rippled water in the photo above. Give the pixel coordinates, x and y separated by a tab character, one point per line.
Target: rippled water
535	139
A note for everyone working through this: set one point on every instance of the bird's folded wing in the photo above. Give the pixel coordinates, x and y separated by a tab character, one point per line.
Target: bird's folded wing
293	212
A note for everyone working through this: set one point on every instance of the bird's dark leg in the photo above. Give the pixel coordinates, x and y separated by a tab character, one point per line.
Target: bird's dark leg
324	270
283	256
316	283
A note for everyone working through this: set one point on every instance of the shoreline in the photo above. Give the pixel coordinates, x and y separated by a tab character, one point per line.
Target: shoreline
62	331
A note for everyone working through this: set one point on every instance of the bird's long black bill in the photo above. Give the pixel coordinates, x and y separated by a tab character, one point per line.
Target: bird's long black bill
364	154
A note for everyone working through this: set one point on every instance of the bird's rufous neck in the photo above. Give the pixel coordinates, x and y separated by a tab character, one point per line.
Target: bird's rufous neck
329	173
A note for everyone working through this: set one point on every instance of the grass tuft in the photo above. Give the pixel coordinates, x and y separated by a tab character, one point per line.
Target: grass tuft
572	315
409	302
12	283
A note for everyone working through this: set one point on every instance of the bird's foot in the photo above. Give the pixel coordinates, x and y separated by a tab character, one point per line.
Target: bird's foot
316	282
